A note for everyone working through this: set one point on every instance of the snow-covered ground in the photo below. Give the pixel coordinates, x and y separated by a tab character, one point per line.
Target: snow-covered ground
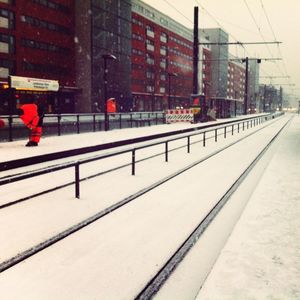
261	259
111	259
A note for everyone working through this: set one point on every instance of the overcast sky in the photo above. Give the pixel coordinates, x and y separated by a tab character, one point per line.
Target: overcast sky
250	21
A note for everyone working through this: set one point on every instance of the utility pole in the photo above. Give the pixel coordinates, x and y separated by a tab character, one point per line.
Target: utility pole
195	52
246	60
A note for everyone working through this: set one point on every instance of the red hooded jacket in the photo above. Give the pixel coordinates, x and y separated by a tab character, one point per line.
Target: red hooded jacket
30	115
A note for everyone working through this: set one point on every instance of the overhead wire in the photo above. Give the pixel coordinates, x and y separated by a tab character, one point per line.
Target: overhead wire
218	23
178	11
259	29
272	30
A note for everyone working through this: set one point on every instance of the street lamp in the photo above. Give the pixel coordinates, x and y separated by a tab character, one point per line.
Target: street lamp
169	97
105	58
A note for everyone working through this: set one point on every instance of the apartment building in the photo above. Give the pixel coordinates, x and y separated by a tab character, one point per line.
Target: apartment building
162	60
37	40
235	86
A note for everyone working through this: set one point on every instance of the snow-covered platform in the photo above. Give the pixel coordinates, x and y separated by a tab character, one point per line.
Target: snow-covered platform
261	259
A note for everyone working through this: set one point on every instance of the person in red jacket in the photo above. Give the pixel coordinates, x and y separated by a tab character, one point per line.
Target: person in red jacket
32	117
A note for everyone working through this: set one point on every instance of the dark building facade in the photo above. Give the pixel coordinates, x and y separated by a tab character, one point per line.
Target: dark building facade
103	27
37	40
270	98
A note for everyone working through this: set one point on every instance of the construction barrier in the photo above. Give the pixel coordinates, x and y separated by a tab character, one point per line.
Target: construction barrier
179	115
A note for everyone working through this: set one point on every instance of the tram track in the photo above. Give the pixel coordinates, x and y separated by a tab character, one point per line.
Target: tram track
157	281
58	237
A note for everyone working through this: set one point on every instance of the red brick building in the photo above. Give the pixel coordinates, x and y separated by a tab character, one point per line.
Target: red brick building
37	40
162	64
236	86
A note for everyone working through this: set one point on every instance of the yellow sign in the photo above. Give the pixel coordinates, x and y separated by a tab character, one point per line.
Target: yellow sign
195	110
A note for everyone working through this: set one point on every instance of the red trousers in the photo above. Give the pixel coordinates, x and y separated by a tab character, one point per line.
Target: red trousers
36	134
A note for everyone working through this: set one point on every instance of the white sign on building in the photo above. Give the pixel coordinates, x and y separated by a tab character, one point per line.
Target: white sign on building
33	84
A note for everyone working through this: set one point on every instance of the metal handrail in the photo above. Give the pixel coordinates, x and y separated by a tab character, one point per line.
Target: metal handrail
76	164
96	119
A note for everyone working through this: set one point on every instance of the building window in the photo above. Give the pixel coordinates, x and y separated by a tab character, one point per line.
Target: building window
44	46
149	13
162	89
162	77
45	68
136	66
137	37
4	72
39	23
6	68
149	59
149	31
163	50
149	45
137	22
53	5
7	43
164	21
149	75
163	63
7	19
137	52
163	37
150	89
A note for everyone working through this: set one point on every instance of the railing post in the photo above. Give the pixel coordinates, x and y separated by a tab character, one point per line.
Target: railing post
58	125
10	121
204	139
77	124
133	162
238	127
166	152
94	122
77	180
216	135
232	129
131	120
243	125
120	120
188	144
225	132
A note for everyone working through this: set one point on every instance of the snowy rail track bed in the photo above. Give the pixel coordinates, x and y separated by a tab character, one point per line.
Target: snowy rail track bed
138	240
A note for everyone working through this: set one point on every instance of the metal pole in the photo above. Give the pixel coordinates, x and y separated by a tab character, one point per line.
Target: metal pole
246	87
133	162
265	95
169	96
77	181
10	111
106	125
195	51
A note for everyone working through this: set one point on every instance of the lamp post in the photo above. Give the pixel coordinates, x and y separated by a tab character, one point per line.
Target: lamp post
169	96
105	58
